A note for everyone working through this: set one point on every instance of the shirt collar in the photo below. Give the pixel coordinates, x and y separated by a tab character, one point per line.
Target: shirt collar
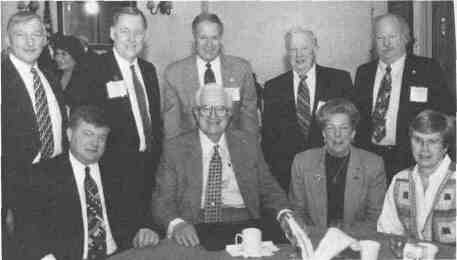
123	62
202	63
79	165
20	65
396	66
311	72
207	144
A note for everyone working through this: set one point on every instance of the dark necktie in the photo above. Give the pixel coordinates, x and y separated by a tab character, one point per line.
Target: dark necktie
209	74
141	99
303	106
95	222
43	117
381	106
213	198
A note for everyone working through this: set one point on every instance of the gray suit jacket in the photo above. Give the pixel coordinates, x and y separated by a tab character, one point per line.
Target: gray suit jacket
180	178
364	191
181	83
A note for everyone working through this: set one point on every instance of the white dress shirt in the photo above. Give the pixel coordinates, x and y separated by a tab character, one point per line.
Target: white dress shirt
394	101
310	81
215	67
389	221
126	72
24	70
79	174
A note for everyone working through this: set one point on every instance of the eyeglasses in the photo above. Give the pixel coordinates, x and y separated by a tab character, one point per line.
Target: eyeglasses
220	111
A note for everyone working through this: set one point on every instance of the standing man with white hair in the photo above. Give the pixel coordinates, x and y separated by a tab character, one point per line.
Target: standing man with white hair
291	101
391	90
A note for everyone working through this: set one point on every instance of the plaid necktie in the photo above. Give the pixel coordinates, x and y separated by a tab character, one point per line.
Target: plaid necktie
209	74
43	117
141	99
303	106
382	103
95	223
213	198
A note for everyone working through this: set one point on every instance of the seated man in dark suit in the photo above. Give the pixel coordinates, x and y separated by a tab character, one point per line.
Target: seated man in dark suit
291	101
213	178
82	207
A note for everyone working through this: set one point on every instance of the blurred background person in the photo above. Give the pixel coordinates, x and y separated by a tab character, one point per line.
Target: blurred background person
338	184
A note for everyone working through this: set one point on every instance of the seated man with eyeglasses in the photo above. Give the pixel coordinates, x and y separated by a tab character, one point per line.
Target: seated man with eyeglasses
213	182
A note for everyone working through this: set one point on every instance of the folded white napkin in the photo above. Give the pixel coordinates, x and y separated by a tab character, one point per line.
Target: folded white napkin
268	249
333	243
303	240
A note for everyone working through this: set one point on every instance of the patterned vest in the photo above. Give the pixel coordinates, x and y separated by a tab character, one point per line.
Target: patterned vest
442	218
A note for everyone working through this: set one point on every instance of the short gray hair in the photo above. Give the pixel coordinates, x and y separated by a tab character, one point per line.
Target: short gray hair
23	17
431	121
338	106
216	89
404	27
299	30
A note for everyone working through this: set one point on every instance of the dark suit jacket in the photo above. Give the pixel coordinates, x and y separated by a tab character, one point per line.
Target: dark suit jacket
179	178
55	220
20	137
364	191
419	72
181	83
281	135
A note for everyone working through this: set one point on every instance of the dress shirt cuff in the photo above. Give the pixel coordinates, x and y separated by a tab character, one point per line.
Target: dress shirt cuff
278	217
49	257
172	225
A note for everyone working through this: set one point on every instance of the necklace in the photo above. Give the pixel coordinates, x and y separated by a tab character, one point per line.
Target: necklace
340	169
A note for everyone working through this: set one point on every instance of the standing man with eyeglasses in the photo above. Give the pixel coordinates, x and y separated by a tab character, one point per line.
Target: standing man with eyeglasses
392	90
32	113
208	65
126	87
291	101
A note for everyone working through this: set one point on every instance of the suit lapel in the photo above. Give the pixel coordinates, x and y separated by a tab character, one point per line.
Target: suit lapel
148	82
319	191
370	84
354	181
193	162
318	90
404	96
113	67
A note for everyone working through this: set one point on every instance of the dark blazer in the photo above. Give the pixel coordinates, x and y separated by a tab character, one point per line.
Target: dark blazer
55	220
20	136
419	72
281	135
364	191
179	178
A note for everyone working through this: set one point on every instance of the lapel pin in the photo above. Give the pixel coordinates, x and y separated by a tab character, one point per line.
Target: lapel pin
413	72
317	177
231	79
356	177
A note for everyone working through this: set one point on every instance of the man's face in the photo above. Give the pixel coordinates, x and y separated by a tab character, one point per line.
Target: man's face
208	40
26	40
213	116
301	52
87	142
390	42
428	149
128	36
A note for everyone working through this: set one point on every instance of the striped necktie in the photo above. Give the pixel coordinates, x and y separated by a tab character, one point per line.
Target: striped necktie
95	222
303	106
381	106
213	198
43	117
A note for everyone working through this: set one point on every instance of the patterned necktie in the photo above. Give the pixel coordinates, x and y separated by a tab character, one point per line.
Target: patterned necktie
96	243
382	103
43	117
141	99
303	106
209	74
213	198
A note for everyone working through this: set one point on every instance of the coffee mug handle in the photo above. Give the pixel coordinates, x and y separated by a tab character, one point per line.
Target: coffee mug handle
238	235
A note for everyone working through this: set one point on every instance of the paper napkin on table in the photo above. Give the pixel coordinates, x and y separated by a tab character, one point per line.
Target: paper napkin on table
268	249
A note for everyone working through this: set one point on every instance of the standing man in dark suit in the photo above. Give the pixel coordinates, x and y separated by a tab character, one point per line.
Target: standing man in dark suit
81	207
291	101
392	90
126	87
32	111
184	77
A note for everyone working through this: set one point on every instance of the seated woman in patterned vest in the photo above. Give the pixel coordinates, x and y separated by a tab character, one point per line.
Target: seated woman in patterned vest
420	201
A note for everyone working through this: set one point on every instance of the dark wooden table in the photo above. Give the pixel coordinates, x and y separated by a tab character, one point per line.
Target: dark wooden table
168	249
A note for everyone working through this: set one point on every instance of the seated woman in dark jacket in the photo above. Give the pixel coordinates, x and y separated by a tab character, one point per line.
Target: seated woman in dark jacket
338	184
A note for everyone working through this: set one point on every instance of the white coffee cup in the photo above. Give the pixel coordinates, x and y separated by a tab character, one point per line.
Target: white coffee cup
429	251
369	249
251	241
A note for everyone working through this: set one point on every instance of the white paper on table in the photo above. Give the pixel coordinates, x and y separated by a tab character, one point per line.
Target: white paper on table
303	240
268	249
333	243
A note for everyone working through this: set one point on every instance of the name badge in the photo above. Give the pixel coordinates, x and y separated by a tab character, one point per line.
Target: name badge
116	89
418	94
234	93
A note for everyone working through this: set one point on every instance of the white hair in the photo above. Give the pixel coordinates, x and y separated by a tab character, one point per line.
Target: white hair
213	89
299	30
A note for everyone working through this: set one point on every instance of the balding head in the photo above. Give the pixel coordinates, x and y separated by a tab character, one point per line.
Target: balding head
391	35
301	47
